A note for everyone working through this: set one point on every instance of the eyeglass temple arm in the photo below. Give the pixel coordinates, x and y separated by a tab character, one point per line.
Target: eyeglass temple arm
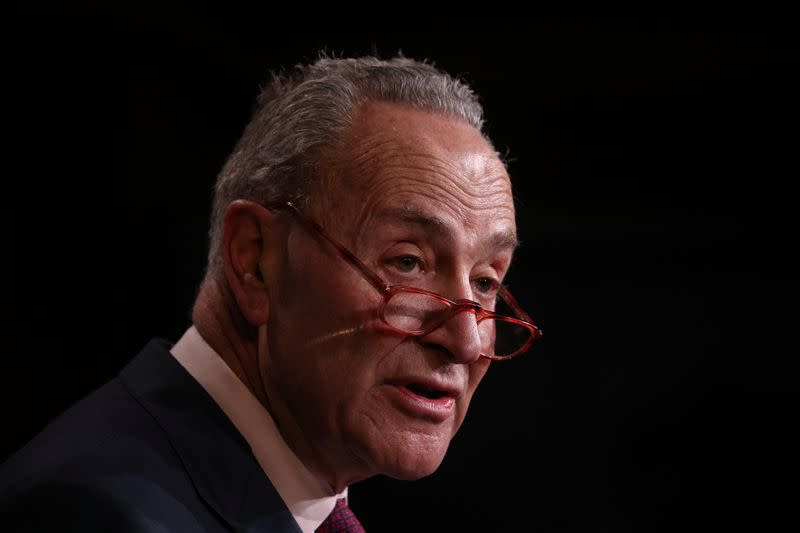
373	278
352	260
511	301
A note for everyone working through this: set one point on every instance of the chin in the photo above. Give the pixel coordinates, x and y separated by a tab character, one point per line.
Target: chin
414	473
398	446
412	462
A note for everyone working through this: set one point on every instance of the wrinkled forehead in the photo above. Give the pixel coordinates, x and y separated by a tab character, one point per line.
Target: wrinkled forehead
398	159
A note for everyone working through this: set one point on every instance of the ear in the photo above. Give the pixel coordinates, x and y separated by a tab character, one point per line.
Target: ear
249	247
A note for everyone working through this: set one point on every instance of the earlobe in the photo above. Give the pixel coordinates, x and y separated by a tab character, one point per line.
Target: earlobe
246	246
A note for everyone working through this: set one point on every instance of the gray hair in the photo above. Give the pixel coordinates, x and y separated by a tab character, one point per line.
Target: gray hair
306	109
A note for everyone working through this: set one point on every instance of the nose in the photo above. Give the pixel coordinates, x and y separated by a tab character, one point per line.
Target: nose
459	337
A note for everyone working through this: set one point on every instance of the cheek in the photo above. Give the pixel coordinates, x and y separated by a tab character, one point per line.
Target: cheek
324	294
322	381
324	352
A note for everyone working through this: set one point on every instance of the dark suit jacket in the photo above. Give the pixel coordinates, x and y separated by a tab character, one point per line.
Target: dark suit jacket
148	451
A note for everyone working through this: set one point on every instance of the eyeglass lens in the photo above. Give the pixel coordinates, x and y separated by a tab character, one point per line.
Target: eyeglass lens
414	313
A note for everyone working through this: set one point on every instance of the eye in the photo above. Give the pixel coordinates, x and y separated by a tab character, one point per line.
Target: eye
487	286
406	264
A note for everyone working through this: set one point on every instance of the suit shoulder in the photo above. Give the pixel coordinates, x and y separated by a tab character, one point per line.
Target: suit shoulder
110	504
106	429
106	442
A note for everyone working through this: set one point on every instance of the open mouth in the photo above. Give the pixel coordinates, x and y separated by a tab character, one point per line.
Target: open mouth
425	399
431	394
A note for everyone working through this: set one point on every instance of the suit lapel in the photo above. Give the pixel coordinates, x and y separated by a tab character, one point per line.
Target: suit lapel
216	457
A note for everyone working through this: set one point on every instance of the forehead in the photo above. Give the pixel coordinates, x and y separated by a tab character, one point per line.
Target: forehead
397	160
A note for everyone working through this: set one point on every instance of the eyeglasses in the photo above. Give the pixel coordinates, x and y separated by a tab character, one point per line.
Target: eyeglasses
505	332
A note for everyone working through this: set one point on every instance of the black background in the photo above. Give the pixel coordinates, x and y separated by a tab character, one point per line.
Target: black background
653	157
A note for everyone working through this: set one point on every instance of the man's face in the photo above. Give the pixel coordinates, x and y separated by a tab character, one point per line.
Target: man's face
423	201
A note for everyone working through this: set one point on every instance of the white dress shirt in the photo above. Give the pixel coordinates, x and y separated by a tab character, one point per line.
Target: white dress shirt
309	500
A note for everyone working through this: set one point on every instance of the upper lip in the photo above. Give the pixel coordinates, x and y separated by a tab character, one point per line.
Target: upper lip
429	384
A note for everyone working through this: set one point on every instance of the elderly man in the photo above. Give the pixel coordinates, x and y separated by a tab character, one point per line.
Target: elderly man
352	304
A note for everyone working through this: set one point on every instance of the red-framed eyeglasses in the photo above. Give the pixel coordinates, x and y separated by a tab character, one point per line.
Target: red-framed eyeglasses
506	332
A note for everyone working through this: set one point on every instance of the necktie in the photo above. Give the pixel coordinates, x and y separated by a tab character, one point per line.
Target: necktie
341	520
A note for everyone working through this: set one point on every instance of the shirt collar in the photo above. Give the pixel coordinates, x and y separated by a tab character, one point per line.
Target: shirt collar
309	499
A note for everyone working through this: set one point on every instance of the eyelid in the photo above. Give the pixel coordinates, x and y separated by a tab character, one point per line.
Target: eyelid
493	279
492	272
419	260
400	250
405	248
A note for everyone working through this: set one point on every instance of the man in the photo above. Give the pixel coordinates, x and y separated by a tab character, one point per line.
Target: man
360	232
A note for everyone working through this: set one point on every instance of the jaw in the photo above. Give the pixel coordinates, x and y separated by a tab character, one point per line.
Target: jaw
389	441
418	457
376	439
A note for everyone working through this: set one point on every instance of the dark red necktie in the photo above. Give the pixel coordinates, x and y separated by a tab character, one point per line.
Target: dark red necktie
341	520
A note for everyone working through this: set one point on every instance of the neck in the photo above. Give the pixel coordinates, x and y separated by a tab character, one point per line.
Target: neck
218	322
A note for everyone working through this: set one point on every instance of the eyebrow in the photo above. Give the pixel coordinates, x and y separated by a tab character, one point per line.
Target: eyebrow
412	214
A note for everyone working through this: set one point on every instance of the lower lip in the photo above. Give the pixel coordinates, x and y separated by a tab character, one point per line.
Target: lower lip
435	410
